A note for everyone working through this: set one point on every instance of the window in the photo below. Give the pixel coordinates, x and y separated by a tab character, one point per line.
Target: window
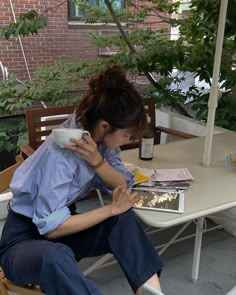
76	14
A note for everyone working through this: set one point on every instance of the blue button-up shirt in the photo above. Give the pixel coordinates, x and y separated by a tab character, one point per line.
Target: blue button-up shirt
53	178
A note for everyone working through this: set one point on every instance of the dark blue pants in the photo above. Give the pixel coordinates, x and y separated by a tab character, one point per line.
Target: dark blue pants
27	257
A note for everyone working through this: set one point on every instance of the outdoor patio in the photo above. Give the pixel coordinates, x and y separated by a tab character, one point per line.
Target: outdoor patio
60	40
217	268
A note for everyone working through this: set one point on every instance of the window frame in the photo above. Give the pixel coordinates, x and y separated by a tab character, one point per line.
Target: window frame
72	6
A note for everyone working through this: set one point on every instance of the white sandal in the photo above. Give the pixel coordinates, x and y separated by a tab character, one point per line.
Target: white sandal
149	290
232	291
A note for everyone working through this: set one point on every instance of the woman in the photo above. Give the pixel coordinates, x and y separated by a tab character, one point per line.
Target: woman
43	237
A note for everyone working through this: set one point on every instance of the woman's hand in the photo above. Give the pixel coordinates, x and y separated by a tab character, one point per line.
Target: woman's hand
87	148
123	200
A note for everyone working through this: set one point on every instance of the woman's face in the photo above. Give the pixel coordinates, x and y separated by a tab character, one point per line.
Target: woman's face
117	138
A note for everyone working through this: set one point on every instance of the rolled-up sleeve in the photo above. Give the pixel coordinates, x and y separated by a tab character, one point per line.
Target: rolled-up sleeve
49	205
114	159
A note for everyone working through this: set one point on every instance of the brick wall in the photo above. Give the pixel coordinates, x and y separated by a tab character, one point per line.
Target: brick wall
56	42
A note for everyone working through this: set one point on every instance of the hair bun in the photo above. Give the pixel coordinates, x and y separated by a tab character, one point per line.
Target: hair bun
109	80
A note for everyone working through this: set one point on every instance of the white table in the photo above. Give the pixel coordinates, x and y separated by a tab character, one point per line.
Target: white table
213	190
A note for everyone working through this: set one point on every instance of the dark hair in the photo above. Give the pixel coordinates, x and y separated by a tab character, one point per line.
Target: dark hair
111	97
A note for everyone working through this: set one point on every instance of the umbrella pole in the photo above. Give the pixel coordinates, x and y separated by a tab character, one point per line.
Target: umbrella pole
214	92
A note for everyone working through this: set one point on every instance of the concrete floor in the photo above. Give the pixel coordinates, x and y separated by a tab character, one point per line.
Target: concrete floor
217	268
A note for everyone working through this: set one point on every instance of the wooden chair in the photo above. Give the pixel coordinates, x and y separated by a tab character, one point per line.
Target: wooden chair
149	105
6	175
6	285
40	123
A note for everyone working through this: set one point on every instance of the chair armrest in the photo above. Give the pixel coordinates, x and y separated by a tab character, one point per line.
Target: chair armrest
157	136
26	151
175	132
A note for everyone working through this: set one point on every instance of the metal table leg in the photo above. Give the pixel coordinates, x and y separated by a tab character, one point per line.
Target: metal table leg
197	249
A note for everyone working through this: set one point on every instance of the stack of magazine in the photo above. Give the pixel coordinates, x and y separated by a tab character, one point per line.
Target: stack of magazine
161	189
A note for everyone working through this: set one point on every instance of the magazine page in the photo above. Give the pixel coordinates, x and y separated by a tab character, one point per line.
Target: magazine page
169	201
180	174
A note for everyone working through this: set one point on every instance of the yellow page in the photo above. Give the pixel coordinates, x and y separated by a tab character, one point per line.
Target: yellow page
139	177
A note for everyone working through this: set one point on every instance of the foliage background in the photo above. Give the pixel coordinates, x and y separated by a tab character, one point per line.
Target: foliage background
141	51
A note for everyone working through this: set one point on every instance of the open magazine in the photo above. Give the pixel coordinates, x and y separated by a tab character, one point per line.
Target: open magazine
160	200
160	179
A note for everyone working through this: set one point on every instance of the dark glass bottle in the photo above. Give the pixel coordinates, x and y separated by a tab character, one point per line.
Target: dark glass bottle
146	147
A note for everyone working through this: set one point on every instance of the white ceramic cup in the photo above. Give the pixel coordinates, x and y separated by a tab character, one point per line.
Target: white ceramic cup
62	135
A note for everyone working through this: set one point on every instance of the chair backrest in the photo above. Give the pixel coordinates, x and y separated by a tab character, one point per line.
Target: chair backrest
6	175
41	121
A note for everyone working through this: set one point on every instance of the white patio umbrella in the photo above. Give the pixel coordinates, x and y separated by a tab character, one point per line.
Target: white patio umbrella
214	91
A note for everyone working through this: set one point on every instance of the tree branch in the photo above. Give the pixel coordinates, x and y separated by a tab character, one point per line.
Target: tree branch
180	109
128	43
54	7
